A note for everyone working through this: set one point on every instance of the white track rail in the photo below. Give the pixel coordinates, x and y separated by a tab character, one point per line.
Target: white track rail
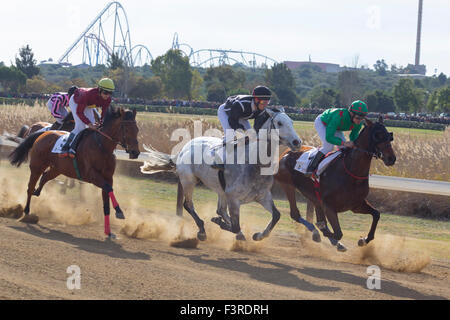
377	182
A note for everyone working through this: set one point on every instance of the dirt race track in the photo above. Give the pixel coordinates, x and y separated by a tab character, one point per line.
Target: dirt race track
34	261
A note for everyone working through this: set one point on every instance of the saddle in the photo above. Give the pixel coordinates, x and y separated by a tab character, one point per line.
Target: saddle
304	160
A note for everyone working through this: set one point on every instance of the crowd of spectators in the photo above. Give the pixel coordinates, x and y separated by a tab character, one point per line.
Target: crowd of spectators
443	118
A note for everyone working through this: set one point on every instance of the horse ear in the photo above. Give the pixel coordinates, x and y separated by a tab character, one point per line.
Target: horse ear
380	119
368	122
122	112
270	112
134	113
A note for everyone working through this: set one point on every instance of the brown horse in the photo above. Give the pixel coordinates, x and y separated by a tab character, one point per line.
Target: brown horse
95	159
344	185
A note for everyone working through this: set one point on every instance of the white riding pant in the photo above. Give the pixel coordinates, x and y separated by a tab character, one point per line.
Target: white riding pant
80	125
321	129
223	118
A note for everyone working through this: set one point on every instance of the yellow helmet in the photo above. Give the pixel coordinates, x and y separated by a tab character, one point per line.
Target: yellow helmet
106	84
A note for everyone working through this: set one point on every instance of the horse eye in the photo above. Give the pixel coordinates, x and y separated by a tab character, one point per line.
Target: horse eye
280	124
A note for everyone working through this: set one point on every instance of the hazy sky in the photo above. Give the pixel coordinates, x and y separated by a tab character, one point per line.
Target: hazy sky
328	30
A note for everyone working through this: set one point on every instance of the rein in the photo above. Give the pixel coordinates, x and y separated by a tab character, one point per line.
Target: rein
123	145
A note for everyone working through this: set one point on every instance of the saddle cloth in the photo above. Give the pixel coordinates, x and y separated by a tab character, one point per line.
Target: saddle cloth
60	142
45	129
304	160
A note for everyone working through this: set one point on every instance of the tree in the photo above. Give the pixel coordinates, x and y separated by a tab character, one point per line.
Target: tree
381	67
281	80
12	79
442	78
175	72
349	86
36	85
379	101
115	62
150	88
26	63
444	99
196	85
323	97
216	92
407	97
225	77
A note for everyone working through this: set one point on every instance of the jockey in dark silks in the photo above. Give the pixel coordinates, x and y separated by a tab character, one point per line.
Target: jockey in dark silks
330	126
237	110
82	105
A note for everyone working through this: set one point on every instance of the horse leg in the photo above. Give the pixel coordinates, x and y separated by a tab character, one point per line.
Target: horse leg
46	177
289	190
366	208
188	190
309	211
34	177
234	207
223	219
107	193
322	225
106	213
337	235
267	203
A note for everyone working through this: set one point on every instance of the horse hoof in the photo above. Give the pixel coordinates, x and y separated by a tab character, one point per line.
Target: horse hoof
316	236
112	236
341	247
36	193
29	219
217	220
258	236
240	237
362	242
119	214
201	236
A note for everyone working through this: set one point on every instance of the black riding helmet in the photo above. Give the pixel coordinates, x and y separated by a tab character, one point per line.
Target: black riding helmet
72	90
262	93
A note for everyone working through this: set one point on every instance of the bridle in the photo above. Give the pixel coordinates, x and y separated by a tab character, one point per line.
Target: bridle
122	142
376	153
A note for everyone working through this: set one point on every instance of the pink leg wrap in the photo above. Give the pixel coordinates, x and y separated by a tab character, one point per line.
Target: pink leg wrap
113	199
107	226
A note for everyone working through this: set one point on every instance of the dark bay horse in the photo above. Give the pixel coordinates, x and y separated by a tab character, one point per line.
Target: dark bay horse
95	159
344	185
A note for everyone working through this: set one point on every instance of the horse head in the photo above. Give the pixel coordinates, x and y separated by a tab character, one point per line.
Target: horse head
276	118
377	140
125	129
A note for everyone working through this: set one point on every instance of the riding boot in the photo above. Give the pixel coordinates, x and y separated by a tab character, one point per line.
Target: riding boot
65	147
315	163
74	145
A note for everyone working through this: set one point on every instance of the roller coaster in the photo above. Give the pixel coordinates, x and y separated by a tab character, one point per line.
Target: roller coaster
109	33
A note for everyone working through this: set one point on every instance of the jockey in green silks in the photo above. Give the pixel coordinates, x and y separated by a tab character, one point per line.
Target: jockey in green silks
330	126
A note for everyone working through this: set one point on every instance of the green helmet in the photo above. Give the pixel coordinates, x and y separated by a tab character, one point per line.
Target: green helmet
106	84
359	107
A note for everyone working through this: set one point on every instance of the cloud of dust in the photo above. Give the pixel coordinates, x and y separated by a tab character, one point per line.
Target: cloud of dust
386	251
51	204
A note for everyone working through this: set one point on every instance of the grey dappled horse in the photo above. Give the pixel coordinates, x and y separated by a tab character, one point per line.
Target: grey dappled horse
239	183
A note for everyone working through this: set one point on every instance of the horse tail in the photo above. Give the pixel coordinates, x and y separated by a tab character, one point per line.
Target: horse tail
180	199
23	131
20	154
157	161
